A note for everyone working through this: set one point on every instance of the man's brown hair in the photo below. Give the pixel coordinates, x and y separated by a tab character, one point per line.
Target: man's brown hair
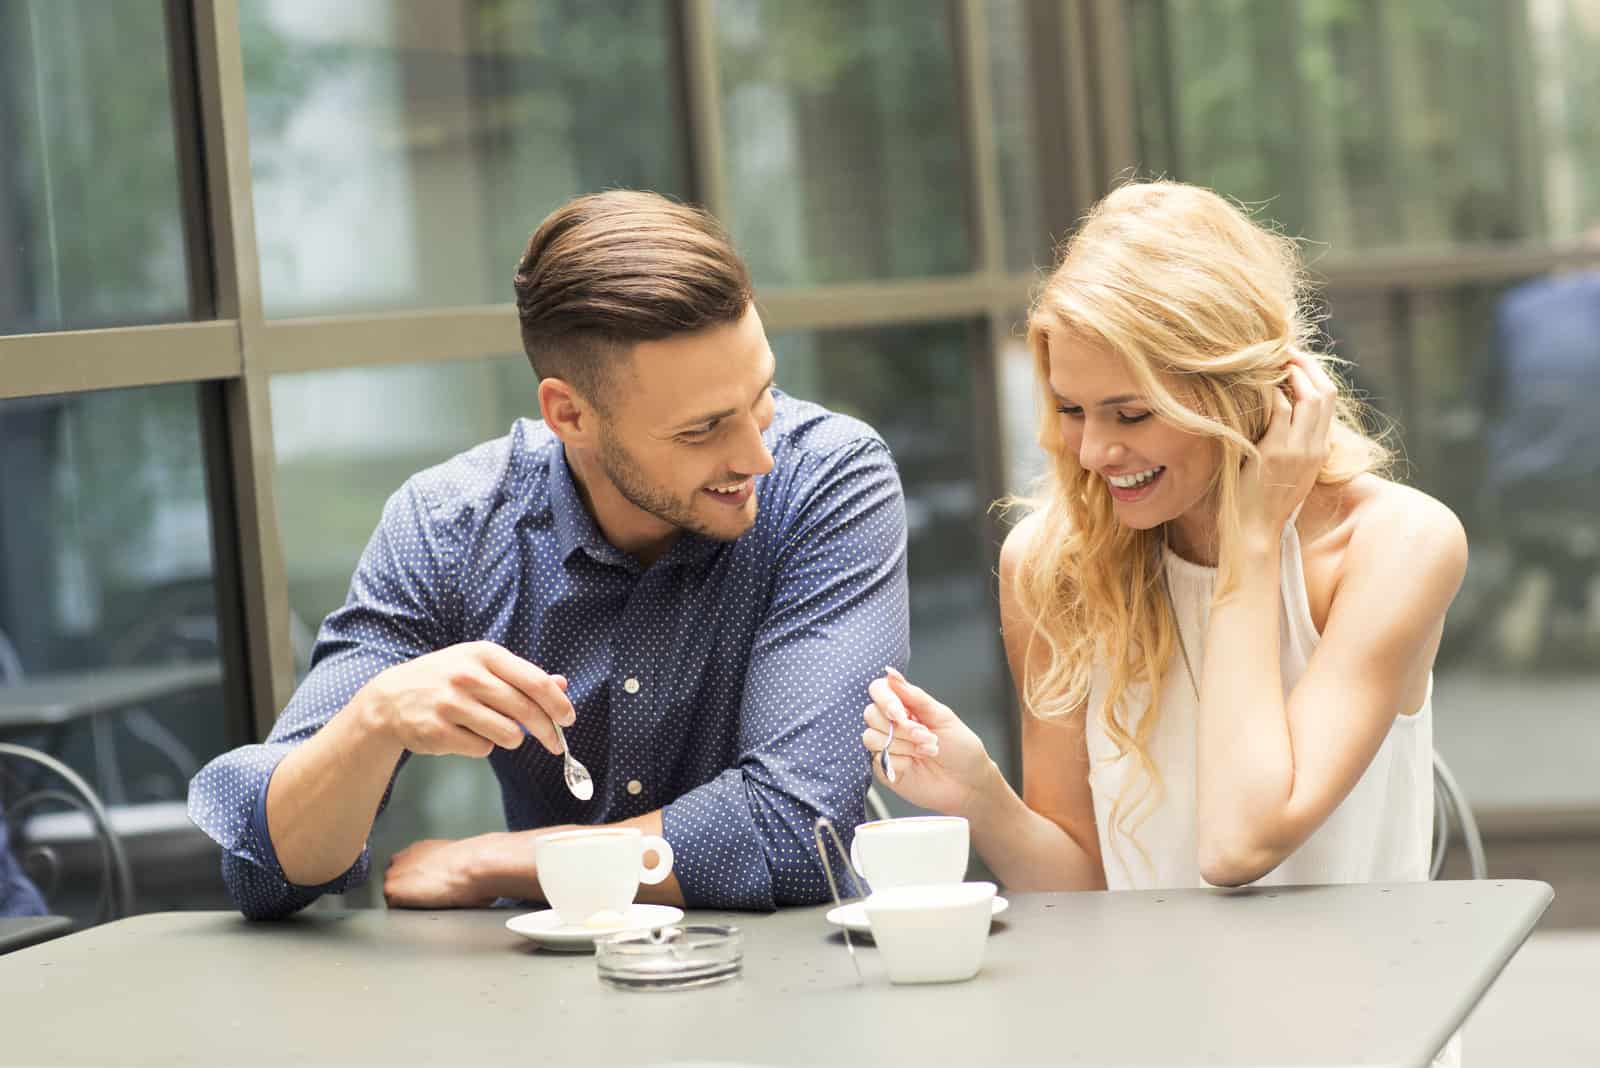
606	271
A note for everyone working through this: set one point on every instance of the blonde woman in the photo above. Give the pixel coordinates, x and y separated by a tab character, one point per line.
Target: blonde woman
1219	614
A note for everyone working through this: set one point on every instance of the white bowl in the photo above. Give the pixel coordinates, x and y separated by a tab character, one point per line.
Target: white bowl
933	933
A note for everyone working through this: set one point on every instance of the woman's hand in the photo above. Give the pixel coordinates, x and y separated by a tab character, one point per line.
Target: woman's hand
939	763
1293	451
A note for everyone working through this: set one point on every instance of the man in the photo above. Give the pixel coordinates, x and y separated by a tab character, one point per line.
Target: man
695	575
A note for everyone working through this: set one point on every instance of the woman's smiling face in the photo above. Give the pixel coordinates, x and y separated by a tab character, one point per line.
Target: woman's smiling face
1154	471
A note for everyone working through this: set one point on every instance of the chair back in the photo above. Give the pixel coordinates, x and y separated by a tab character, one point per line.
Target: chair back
36	787
1450	803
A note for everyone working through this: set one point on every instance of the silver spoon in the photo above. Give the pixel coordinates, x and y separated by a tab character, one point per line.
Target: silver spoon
578	779
888	768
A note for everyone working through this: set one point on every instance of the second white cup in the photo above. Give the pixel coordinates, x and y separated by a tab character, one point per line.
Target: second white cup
931	934
585	872
911	851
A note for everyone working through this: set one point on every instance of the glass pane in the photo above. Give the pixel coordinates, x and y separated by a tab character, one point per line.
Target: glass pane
1373	124
1027	243
109	652
1019	408
843	139
339	457
1494	387
90	218
914	384
402	150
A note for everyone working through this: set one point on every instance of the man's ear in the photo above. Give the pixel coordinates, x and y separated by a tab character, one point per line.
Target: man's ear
566	412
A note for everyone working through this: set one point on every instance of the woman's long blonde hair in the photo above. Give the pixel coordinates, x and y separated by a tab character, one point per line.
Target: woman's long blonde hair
1205	307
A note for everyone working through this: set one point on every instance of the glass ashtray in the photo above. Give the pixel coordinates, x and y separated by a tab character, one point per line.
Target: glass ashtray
671	958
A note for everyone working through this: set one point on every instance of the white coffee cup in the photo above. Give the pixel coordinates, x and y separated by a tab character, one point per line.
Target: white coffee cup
911	851
931	934
584	872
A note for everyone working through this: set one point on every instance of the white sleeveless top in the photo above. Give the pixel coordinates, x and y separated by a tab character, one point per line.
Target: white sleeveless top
1381	832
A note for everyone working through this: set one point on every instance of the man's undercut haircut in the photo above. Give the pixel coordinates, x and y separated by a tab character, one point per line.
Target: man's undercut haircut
609	270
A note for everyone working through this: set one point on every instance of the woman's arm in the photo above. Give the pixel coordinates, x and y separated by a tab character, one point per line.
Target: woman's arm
1043	840
1272	769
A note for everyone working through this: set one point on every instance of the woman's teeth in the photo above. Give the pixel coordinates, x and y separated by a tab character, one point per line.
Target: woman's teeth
1137	479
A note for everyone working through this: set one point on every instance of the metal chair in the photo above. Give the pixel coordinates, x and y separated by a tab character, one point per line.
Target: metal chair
1450	802
115	897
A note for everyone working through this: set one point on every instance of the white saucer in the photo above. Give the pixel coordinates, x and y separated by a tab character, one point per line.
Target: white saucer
546	929
853	916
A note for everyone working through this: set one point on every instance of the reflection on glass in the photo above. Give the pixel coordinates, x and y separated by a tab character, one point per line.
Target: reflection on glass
1027	243
109	652
843	139
402	150
1495	385
914	384
339	457
1364	125
90	221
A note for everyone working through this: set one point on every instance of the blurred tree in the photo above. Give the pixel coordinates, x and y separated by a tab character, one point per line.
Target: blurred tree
1359	123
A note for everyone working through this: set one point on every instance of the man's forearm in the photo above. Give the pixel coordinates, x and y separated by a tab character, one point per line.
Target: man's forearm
324	795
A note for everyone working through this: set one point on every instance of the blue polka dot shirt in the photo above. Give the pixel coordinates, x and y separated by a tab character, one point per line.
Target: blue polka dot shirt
723	685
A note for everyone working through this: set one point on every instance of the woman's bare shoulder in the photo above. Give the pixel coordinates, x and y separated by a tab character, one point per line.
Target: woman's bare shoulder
1386	523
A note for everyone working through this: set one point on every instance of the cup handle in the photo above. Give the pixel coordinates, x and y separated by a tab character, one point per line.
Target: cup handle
663	866
855	858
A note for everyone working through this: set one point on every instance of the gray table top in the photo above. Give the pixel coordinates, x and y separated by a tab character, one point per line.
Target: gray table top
47	700
1354	975
19	931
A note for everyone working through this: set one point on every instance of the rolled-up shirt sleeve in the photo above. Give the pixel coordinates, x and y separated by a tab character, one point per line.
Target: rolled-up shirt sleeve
398	608
839	614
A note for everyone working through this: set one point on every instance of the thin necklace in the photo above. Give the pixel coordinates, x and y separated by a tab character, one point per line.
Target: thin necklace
1172	607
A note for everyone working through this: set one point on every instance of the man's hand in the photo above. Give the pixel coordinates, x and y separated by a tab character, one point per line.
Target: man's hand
467	699
438	873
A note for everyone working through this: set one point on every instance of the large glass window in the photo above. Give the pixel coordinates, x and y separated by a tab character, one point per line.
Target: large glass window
90	221
403	150
843	136
110	657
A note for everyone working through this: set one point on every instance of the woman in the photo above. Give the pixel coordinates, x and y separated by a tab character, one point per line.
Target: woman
1219	614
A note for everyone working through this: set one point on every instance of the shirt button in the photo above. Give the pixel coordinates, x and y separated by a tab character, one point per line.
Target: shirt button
631	685
635	787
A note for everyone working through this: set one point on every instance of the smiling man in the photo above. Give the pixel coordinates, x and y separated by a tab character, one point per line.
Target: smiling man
692	573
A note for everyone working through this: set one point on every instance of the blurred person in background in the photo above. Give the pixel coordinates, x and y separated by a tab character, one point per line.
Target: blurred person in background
1542	484
691	572
18	895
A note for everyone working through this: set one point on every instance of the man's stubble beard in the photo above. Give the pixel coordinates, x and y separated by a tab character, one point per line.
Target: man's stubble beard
621	469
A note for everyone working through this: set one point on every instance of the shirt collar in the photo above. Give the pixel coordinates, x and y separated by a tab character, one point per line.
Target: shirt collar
576	529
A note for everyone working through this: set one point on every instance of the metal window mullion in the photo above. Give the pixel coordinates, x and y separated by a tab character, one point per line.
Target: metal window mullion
974	78
971	33
1110	62
247	402
702	100
1067	88
77	361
